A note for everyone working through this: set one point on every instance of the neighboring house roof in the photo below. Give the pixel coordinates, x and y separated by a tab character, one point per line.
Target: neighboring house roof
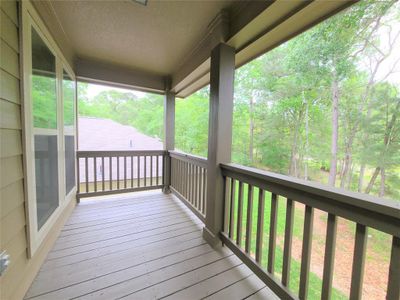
106	134
103	134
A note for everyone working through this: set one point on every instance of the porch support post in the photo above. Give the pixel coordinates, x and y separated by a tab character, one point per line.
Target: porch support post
169	134
219	136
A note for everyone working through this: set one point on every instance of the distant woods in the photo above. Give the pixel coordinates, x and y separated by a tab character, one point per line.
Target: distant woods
324	106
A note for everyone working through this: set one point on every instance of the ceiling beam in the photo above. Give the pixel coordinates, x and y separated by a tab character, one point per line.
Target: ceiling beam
117	76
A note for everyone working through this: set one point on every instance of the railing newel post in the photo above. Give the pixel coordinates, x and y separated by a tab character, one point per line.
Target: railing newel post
219	137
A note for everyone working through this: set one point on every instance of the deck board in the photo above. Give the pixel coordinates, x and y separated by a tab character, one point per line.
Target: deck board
140	246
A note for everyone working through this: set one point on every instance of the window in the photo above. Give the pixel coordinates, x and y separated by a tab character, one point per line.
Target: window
49	125
44	102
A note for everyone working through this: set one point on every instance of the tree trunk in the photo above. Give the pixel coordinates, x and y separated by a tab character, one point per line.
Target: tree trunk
306	145
350	175
335	131
294	156
382	188
251	139
361	178
347	163
372	181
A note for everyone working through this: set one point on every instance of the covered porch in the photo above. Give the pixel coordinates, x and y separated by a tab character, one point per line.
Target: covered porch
155	224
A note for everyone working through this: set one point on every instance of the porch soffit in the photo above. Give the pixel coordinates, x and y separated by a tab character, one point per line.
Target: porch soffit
126	44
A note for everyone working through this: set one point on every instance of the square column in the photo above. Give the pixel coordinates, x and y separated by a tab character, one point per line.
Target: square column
169	135
219	136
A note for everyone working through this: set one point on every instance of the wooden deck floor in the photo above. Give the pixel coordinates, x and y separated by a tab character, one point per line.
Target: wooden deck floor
140	246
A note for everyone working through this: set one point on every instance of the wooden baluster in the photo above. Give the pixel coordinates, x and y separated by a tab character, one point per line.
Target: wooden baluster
95	173
227	202
151	170
125	172
132	172
145	171
188	181
111	183
360	247
172	172
201	182
180	177
204	191
187	186
78	169
174	163
272	233
393	290
249	221
240	215
87	174
138	171
306	252
102	174
157	169
287	248
329	258
260	226
178	182
232	207
191	183
196	187
184	180
118	172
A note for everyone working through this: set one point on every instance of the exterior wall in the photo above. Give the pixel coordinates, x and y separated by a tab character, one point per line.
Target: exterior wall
13	238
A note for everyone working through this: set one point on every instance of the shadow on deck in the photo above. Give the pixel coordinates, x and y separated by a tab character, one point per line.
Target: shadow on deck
145	245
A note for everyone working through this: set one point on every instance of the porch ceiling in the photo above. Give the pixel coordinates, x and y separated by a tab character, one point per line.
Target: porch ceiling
128	44
152	38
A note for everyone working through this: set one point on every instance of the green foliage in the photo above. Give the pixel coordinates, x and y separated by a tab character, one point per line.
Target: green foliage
145	114
191	123
44	102
68	88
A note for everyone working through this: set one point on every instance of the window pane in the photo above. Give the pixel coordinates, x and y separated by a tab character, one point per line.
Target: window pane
44	96
69	163
46	169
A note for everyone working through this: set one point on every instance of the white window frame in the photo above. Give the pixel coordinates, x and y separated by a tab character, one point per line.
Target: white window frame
67	69
30	19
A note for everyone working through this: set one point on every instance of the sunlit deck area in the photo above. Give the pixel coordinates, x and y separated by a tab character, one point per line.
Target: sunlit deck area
146	245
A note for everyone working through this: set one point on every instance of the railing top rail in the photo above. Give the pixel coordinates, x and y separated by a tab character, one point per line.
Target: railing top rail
107	153
323	194
189	157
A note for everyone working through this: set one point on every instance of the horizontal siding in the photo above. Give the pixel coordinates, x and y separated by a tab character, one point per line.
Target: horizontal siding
12	196
12	224
11	170
11	143
9	59
10	9
17	245
10	115
12	206
10	279
9	87
9	32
